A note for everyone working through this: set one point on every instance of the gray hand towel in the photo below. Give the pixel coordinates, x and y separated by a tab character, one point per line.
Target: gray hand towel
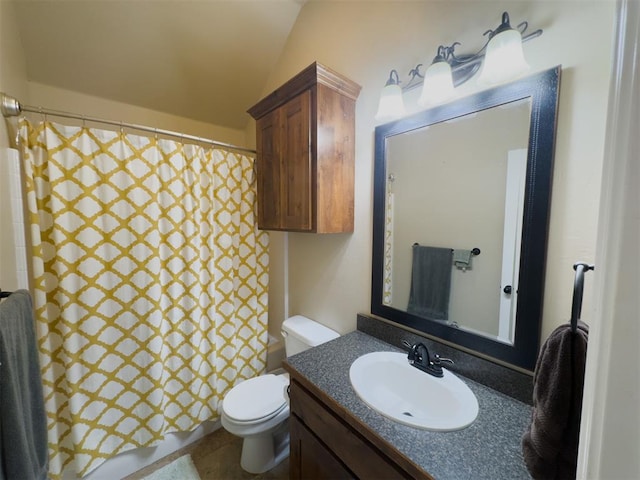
550	445
23	423
462	259
430	282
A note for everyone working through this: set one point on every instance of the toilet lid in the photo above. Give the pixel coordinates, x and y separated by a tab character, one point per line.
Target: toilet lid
256	398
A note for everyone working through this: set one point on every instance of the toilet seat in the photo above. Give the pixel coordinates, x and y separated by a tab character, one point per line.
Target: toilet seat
257	399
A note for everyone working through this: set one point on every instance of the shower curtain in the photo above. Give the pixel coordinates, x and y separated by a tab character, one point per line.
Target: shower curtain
150	285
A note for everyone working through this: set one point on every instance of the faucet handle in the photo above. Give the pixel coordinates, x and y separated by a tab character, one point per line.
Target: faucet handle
412	350
437	359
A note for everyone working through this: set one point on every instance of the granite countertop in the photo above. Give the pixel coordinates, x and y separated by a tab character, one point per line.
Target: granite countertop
488	449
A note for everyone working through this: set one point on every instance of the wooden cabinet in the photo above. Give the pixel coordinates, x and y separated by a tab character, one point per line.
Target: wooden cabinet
328	443
310	459
305	142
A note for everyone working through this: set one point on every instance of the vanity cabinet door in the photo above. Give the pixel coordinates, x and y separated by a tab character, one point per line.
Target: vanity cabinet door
317	430
310	459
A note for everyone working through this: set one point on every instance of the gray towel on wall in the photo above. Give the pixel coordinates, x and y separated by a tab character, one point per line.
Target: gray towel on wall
23	423
430	282
550	444
462	259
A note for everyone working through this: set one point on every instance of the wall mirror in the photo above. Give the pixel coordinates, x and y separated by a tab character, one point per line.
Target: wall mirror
461	209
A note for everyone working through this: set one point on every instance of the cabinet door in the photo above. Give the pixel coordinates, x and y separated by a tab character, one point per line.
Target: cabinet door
268	168
310	459
356	456
296	192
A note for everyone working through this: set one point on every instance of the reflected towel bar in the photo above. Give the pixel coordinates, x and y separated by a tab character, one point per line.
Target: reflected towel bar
474	251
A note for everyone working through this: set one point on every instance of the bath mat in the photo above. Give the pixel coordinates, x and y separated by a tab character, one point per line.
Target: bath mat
180	469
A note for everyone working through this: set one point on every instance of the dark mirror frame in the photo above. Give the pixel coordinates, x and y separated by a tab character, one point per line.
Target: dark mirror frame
542	90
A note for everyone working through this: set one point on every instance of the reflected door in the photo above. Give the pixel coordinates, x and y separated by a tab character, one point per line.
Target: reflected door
513	213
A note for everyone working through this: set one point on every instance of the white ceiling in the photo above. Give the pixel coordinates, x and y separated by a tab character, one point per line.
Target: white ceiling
207	60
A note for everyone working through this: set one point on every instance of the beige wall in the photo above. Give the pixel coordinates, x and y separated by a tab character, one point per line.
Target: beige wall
69	101
12	80
13	72
329	276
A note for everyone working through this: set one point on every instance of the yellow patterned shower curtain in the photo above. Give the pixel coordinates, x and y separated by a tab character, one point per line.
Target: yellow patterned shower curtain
150	285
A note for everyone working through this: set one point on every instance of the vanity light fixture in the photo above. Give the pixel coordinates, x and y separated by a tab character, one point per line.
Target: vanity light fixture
504	58
500	59
391	103
438	80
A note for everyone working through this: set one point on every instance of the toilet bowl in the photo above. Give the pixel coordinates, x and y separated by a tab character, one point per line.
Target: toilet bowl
258	409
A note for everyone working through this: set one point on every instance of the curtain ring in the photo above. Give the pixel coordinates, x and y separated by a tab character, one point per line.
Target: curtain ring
121	128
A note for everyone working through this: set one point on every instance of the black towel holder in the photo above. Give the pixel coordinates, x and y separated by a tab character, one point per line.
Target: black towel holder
4	294
475	251
578	288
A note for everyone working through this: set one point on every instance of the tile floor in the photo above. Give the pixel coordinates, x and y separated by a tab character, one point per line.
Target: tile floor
216	457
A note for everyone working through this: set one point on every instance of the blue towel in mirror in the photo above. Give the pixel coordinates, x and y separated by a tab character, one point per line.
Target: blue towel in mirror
430	282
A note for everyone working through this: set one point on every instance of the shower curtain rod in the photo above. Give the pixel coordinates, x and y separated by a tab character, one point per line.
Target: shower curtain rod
11	107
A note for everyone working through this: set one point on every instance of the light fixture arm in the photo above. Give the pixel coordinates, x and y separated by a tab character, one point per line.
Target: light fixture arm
445	53
415	78
504	26
394	79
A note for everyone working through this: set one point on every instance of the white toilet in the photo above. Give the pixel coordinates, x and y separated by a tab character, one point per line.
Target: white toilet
258	409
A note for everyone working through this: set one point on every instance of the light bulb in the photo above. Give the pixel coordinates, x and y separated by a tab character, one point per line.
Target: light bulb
391	105
438	84
504	59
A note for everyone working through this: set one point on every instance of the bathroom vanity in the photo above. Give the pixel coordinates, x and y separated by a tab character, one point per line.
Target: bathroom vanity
336	435
327	443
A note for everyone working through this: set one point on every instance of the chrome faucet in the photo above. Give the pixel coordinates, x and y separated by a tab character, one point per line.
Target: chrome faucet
419	357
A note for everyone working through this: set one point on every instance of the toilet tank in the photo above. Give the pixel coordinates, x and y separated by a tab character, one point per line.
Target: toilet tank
301	333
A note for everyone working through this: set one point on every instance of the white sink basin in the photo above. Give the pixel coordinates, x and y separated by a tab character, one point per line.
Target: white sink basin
391	386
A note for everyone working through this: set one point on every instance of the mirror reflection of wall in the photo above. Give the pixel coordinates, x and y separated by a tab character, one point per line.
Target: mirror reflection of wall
453	185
